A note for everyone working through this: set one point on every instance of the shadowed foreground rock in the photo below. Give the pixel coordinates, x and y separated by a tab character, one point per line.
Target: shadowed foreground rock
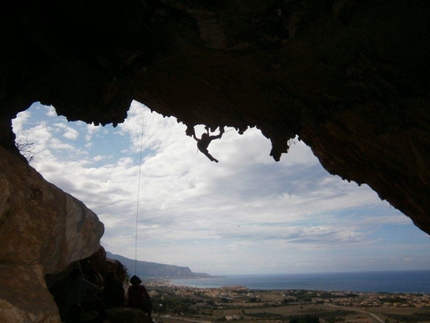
42	230
24	296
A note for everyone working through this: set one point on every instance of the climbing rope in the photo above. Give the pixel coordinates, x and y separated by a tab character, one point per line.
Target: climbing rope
138	191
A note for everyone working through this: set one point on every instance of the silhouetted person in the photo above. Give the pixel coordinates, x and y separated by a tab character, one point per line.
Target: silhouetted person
138	297
113	292
205	140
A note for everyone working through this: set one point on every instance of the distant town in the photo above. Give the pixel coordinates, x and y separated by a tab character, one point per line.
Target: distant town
174	303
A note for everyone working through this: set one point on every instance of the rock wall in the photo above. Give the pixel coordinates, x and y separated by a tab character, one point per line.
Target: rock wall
42	230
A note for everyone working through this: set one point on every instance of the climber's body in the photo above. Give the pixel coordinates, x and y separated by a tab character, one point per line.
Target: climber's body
205	140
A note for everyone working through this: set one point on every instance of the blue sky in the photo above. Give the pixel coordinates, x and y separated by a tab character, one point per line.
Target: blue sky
246	214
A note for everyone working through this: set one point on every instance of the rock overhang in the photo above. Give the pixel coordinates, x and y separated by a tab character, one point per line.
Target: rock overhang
350	78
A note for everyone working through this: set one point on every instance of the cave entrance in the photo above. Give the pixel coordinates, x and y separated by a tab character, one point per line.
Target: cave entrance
246	214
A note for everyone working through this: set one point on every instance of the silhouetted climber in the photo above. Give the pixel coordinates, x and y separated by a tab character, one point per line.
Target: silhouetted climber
138	297
113	291
205	140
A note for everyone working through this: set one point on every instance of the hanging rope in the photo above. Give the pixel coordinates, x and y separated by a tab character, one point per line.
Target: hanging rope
138	191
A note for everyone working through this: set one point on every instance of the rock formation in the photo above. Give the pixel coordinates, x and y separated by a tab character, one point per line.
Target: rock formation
94	269
42	230
145	269
349	77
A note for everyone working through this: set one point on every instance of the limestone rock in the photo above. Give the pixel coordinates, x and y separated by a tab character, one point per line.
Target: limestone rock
24	297
42	230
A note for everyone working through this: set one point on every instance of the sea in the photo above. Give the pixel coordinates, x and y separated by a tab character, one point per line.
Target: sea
417	281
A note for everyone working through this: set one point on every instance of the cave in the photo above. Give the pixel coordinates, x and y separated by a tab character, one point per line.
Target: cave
349	78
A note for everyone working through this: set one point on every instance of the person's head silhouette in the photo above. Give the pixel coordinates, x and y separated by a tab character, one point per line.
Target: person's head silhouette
135	281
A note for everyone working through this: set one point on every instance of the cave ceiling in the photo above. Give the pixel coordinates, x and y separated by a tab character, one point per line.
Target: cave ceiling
350	78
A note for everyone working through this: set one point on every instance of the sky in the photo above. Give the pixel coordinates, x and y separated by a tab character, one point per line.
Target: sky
247	214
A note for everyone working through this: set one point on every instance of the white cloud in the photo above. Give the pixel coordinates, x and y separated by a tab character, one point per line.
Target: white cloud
57	144
50	111
20	120
92	130
71	133
100	158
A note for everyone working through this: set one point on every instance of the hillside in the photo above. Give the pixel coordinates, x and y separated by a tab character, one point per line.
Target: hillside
155	270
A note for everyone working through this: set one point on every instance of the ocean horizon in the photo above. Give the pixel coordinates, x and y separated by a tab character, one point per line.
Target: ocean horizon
410	281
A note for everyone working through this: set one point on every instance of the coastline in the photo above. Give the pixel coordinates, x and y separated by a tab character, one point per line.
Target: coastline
417	281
